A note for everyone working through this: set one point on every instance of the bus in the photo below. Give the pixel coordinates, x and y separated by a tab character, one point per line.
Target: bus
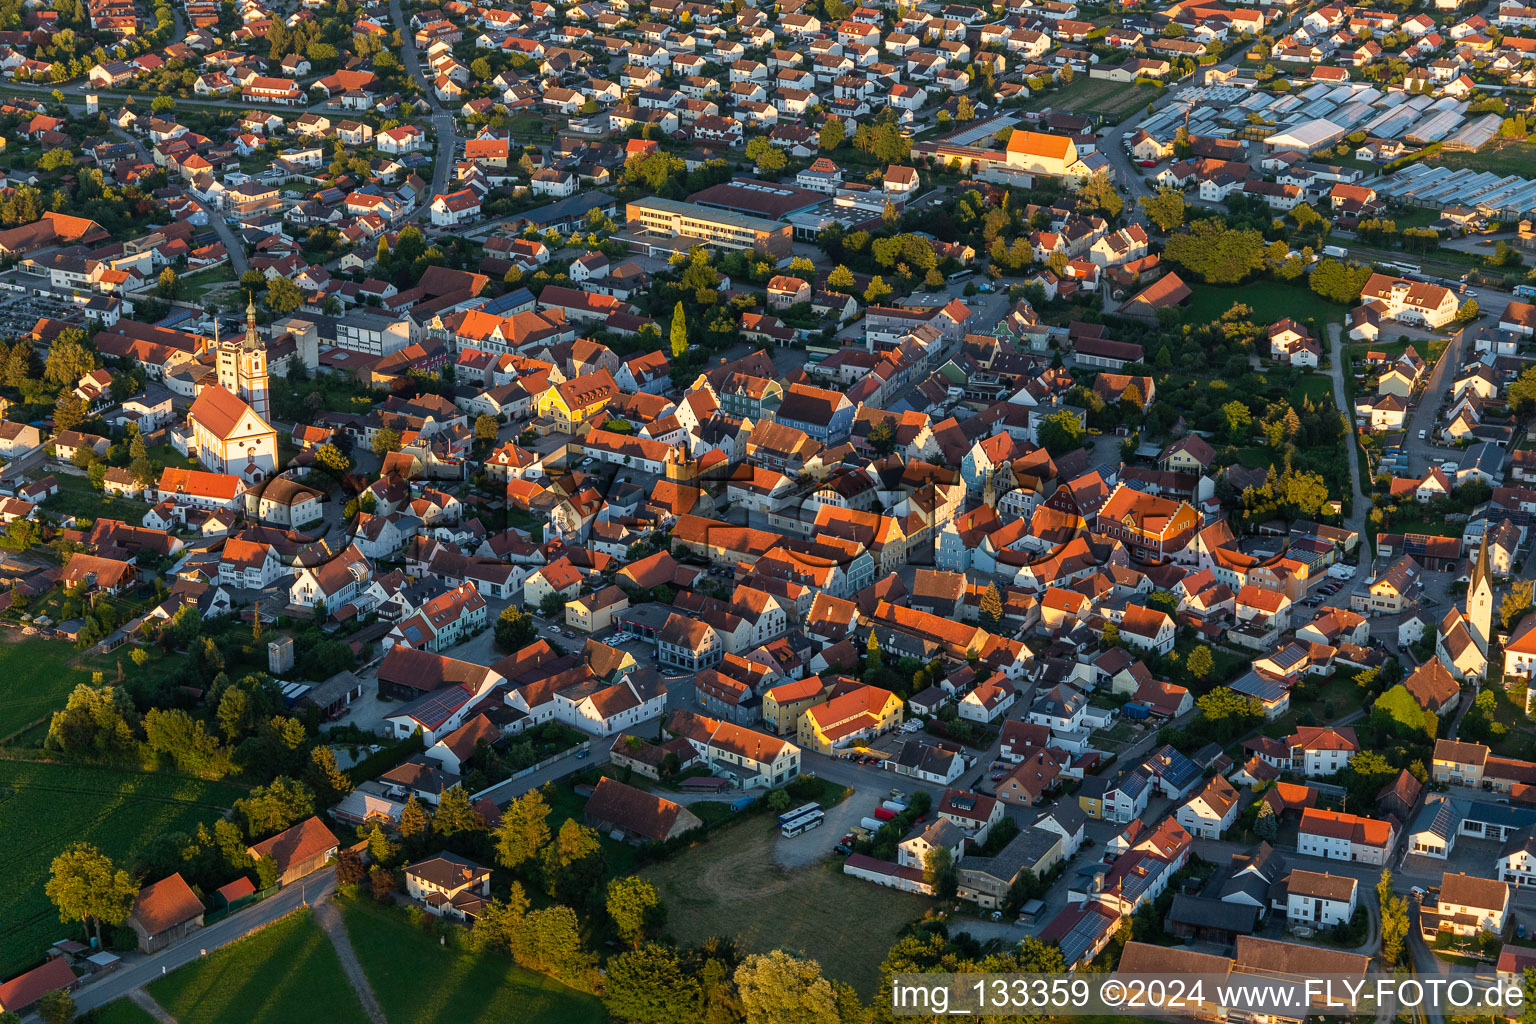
804	823
789	816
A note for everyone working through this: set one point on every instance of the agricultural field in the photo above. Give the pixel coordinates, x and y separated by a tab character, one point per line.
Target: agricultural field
287	973
1096	97
1501	156
38	677
730	886
419	981
46	807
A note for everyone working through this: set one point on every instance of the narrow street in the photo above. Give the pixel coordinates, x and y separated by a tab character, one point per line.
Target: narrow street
1359	504
442	119
137	971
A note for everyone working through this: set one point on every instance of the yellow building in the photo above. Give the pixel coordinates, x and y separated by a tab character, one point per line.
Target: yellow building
849	719
784	704
1042	153
578	400
558	577
594	613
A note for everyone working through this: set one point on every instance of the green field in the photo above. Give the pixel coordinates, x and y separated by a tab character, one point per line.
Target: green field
287	973
46	807
730	886
1269	300
36	679
1501	156
1095	96
119	1011
1316	386
76	497
418	981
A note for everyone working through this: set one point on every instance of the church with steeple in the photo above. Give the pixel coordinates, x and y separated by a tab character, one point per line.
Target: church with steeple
242	365
228	429
1464	636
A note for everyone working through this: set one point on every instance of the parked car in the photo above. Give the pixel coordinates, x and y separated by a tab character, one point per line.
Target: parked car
1423	434
843	849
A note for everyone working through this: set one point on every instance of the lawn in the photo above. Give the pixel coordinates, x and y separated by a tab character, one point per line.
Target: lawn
284	974
1316	386
120	1011
46	807
1113	101
730	886
1269	300
421	982
38	679
77	498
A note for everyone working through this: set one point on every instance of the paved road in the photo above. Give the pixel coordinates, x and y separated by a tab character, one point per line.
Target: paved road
1360	505
138	971
442	120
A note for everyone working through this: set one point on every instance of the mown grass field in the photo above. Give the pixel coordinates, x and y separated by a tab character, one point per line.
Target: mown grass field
730	886
120	1011
46	807
35	679
420	982
1095	96
1269	300
284	974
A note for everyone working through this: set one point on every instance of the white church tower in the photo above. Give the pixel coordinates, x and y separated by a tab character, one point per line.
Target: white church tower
242	366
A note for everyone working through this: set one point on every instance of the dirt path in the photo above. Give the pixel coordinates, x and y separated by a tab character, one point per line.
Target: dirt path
143	1001
329	918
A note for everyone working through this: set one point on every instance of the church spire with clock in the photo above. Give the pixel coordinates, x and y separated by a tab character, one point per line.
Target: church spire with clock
242	366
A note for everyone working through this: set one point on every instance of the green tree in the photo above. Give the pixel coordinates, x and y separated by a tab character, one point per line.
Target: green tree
1468	312
1238	421
573	862
841	280
1060	433
777	988
877	290
56	1007
991	606
1200	663
415	824
1515	603
1165	209
169	286
456	814
939	871
514	630
651	985
325	776
332	459
87	887
550	941
1099	193
524	830
634	906
832	134
486	427
384	440
1265	824
283	296
1398	714
68	411
271	808
1394	920
679	331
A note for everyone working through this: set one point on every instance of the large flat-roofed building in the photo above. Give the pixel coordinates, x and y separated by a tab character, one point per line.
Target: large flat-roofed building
668	219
